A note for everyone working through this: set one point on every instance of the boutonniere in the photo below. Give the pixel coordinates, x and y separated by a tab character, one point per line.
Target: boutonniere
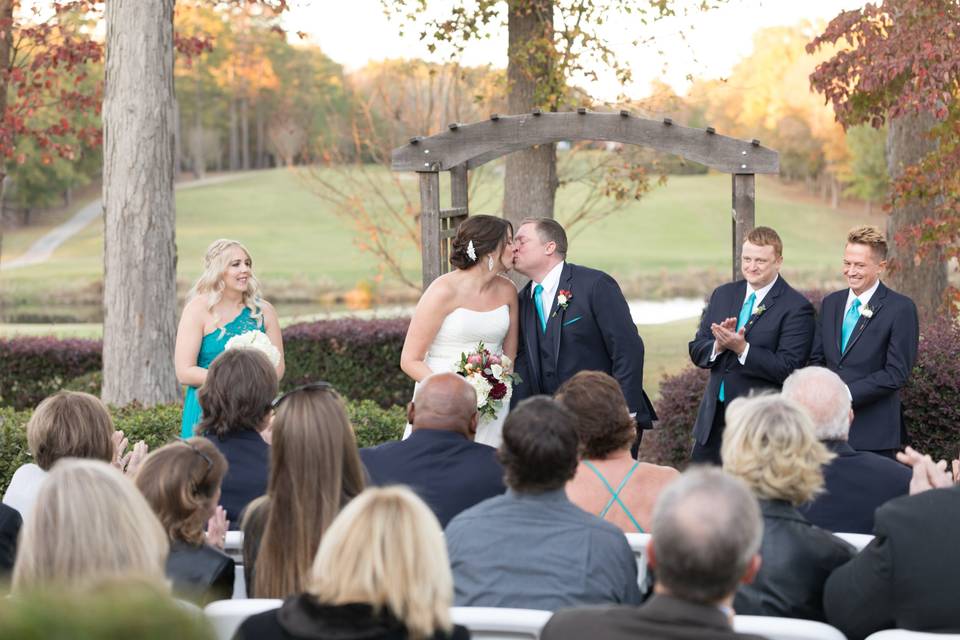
759	311
866	312
563	300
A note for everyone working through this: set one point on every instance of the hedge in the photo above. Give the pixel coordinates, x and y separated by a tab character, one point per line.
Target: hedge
361	358
158	425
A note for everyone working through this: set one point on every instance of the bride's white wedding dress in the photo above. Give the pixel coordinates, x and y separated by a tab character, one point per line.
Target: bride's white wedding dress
460	332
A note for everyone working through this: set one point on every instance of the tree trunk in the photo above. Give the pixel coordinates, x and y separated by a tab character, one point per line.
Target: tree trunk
177	138
140	255
530	180
234	138
6	37
244	134
923	280
261	133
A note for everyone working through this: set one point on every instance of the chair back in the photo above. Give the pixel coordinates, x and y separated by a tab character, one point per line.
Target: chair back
786	628
491	623
638	544
858	540
233	545
226	616
903	634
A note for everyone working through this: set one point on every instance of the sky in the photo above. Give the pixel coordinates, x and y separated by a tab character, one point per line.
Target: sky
357	31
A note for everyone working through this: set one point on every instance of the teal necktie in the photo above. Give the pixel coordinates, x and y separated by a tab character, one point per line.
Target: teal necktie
849	322
742	319
538	303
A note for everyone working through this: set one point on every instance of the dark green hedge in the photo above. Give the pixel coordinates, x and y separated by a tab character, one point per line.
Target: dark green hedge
159	425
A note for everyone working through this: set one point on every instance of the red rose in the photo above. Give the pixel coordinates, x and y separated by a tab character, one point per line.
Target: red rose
499	391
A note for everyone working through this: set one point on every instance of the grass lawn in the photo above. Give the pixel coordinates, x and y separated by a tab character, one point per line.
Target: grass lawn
676	239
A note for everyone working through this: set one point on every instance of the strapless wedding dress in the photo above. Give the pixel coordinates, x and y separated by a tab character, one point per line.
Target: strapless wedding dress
460	333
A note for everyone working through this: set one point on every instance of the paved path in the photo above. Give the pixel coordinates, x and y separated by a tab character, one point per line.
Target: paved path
43	248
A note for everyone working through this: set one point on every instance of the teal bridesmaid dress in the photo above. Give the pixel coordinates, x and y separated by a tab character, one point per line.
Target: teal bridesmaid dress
212	346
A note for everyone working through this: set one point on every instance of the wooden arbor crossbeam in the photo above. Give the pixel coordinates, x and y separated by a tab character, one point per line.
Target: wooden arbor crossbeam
466	146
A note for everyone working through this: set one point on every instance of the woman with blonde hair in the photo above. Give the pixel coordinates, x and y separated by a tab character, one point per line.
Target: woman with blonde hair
769	442
381	573
315	471
181	481
223	303
91	526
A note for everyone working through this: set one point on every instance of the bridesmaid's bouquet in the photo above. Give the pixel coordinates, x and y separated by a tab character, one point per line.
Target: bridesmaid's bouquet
257	340
492	377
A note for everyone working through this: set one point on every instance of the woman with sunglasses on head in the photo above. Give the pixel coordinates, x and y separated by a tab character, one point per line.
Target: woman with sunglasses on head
236	401
315	471
181	481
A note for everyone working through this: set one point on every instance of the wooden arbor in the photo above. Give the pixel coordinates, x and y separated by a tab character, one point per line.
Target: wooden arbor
464	147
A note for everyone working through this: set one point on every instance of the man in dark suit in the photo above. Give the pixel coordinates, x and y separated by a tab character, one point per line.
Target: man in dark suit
855	482
707	531
868	334
572	319
905	578
440	461
752	335
10	522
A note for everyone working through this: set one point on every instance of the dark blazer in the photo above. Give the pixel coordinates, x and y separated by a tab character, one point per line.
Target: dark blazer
855	484
661	618
797	559
303	618
10	523
593	333
876	364
780	339
200	574
449	472
248	457
906	578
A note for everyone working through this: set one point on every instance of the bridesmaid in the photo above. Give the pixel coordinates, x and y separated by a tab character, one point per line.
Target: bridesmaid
224	302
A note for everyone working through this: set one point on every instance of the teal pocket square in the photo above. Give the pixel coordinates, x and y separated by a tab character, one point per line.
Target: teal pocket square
572	321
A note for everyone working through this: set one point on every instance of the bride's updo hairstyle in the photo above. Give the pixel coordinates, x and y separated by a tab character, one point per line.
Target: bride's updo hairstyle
210	283
488	234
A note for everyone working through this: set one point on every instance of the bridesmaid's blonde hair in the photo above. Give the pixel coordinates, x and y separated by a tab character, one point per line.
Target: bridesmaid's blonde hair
210	283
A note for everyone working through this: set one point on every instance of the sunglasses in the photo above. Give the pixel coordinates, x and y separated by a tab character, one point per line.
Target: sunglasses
312	386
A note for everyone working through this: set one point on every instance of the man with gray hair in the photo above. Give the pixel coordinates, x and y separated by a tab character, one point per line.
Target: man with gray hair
855	482
706	537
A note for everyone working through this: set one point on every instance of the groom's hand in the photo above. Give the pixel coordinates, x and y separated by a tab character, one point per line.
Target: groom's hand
730	339
721	330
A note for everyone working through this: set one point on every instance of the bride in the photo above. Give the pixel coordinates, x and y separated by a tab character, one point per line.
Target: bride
475	302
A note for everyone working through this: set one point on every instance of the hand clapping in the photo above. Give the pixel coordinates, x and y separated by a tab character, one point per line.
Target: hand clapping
217	527
928	474
727	337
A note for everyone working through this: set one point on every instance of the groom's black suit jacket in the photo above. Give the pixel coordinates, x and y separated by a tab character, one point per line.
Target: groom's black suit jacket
594	333
876	364
780	341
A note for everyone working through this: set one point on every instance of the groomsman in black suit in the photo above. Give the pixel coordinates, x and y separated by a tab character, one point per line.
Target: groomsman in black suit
868	334
753	334
572	319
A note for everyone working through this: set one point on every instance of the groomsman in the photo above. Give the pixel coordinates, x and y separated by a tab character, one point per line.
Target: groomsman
868	335
753	334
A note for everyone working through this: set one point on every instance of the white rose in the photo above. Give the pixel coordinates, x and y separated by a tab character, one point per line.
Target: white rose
482	387
497	371
258	341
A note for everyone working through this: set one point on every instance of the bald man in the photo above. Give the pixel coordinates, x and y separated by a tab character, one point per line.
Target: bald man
440	461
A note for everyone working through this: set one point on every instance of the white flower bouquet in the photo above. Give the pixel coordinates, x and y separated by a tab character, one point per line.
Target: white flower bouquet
257	340
491	376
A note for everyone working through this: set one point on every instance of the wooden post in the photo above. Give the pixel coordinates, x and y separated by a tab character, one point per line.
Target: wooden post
430	226
744	215
450	220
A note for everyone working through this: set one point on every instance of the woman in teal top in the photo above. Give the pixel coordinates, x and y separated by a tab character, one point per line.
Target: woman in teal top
225	302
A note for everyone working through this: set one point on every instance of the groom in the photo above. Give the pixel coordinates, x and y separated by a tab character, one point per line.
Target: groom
573	319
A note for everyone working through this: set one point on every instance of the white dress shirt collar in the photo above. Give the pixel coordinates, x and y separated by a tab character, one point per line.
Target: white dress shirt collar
761	292
550	283
864	297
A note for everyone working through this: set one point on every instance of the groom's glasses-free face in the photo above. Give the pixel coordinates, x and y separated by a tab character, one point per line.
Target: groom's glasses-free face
312	386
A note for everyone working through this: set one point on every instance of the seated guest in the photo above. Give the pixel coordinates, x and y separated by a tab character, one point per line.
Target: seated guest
440	461
10	522
181	481
855	482
707	532
381	573
609	482
68	424
769	443
903	579
235	400
314	472
532	548
90	526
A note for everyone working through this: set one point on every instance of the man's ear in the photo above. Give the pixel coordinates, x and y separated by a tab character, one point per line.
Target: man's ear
410	412
550	248
650	554
472	425
753	567
850	416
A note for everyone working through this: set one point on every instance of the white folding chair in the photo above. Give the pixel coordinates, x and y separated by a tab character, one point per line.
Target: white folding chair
239	583
638	544
491	623
226	616
858	540
233	545
786	628
903	634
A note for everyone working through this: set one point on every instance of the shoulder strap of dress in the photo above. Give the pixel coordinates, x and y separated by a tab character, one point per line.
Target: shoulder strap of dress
615	493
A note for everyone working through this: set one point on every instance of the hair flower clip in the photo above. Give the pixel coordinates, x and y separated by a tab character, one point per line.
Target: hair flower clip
471	252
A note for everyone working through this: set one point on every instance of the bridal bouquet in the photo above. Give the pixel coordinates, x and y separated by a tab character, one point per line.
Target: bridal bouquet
257	340
491	375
